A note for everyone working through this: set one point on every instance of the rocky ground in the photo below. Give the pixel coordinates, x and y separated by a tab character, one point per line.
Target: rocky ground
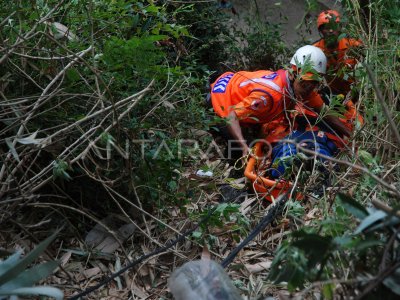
297	24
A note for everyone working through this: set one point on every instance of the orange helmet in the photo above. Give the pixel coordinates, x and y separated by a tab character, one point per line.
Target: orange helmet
326	16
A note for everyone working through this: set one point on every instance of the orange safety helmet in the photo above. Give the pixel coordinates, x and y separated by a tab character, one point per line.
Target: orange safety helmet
326	16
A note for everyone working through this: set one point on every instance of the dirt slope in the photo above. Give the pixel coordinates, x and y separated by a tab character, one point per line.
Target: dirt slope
289	13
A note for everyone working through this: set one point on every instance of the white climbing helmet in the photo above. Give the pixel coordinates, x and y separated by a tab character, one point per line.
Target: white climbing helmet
312	54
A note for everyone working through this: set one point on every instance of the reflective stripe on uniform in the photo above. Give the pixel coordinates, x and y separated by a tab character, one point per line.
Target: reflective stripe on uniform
264	81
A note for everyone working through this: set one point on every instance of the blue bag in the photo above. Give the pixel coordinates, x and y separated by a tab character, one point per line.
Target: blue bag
284	153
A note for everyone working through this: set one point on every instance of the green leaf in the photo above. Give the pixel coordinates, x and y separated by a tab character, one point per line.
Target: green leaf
59	170
73	75
295	208
152	9
343	241
327	291
9	262
156	38
388	222
335	114
221	207
197	234
315	247
27	260
289	265
393	282
352	206
236	238
366	157
39	290
293	275
31	276
367	244
370	220
172	185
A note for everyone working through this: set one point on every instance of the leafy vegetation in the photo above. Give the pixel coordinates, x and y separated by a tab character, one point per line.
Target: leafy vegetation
16	280
103	114
327	255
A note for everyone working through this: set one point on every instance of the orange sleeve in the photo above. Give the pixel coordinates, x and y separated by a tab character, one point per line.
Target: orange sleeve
319	44
314	100
350	57
254	107
355	43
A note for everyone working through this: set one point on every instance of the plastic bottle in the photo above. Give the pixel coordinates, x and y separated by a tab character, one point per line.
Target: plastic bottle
202	280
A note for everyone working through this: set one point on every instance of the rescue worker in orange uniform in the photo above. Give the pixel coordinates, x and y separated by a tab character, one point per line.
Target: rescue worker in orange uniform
340	52
263	96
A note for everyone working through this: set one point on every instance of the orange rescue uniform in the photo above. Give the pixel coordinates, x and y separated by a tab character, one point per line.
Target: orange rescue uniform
339	59
256	97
